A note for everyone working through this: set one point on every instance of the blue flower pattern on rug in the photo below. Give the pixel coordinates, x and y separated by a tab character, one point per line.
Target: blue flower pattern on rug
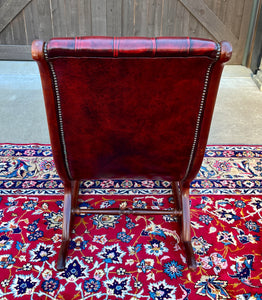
131	257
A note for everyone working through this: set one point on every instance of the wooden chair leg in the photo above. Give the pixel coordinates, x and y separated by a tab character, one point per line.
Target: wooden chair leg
177	194
186	229
181	193
75	193
71	190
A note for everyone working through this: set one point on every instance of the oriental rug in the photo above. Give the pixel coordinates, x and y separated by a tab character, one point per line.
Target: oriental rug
131	257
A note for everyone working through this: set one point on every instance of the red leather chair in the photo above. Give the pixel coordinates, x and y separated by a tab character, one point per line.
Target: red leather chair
129	107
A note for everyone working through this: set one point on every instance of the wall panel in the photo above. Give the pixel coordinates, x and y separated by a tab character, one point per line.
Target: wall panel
22	21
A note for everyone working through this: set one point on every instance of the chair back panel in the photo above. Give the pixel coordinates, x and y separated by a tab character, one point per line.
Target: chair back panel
130	107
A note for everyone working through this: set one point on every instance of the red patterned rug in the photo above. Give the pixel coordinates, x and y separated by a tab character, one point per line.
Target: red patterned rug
131	257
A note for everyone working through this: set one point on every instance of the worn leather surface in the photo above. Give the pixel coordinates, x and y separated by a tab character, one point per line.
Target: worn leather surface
130	106
135	47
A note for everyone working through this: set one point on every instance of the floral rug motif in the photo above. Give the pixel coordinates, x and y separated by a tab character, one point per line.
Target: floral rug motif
131	257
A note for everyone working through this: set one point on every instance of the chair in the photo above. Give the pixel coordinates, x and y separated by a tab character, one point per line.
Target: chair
132	108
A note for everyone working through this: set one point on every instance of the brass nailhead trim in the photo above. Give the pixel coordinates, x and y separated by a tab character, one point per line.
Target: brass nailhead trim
201	109
59	109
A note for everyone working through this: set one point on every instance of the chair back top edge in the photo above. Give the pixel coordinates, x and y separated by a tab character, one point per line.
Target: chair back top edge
131	47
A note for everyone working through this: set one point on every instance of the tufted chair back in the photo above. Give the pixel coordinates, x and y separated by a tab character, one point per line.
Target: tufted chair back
130	107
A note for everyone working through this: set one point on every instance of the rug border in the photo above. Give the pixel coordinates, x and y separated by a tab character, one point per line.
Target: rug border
208	145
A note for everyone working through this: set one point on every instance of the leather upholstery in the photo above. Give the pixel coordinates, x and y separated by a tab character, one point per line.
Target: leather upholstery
130	107
134	47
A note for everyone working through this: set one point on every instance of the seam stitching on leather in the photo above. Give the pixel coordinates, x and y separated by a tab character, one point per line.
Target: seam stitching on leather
59	110
201	110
